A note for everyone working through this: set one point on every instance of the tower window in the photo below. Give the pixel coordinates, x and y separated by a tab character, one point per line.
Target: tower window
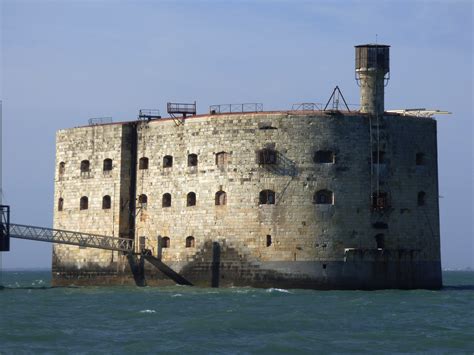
380	240
167	161
107	165
106	202
420	159
267	156
143	201
62	168
165	242
378	157
85	167
324	156
166	200
421	198
190	242
191	199
380	201
222	159
323	197
143	163
221	198
192	160
84	203
269	240
267	197
60	204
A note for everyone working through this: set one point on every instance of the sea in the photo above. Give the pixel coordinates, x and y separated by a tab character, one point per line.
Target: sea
38	318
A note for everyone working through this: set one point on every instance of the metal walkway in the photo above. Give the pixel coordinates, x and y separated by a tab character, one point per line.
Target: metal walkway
42	234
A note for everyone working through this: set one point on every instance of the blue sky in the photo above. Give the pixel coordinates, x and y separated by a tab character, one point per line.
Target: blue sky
65	61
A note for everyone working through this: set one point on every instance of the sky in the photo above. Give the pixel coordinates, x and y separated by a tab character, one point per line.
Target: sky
63	62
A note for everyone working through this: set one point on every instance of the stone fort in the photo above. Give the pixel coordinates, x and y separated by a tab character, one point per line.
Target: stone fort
304	198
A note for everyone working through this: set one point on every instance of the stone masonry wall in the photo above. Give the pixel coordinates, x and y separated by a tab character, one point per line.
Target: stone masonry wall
300	230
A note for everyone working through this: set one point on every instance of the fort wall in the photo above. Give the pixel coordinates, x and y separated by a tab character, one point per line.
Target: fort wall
294	238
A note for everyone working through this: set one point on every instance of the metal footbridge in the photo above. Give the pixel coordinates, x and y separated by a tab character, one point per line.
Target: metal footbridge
60	236
42	234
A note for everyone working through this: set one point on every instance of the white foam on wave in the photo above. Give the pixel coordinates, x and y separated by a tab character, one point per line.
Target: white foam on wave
148	311
278	290
177	295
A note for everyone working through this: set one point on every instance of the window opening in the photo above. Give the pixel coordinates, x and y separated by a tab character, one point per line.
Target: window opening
143	163
84	203
167	161
267	156
269	240
324	156
166	200
107	165
379	239
221	198
192	160
85	167
60	204
378	157
62	168
323	197
380	201
165	242
421	198
222	159
267	197
191	199
143	201
190	242
420	159
106	202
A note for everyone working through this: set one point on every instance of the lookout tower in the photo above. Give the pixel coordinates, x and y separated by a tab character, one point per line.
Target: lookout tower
372	69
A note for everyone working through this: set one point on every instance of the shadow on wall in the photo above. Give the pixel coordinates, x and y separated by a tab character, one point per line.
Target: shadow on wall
281	165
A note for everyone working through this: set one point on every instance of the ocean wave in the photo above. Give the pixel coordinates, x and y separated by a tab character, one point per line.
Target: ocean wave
148	311
282	290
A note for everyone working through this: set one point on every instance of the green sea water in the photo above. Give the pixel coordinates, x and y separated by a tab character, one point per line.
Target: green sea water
35	318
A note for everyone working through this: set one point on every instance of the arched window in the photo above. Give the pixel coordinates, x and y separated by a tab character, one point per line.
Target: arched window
143	163
269	240
143	201
167	161
380	240
421	198
165	242
84	203
267	197
378	157
190	242
267	156
324	156
192	160
323	197
107	165
106	202
191	199
62	168
85	167
222	159
60	204
166	200
420	159
221	198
